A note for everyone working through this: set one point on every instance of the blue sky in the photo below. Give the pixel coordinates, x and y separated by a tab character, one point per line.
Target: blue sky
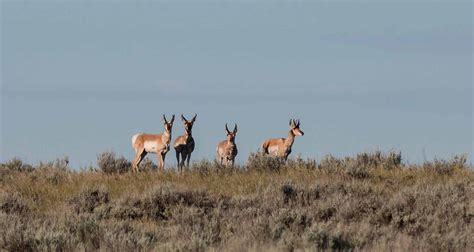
79	78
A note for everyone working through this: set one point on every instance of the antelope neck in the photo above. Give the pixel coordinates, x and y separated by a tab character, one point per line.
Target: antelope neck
167	134
290	138
188	134
291	134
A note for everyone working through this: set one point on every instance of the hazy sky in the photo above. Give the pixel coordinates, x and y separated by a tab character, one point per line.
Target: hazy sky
79	78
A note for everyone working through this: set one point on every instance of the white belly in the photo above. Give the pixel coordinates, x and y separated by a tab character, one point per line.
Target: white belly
151	146
273	149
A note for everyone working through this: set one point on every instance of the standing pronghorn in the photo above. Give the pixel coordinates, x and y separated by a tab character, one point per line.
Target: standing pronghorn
227	150
281	147
184	144
144	143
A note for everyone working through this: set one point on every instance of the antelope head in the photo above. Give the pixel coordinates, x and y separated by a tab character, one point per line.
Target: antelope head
168	124
188	124
295	127
231	134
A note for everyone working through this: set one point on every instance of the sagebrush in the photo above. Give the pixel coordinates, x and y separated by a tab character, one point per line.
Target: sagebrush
372	201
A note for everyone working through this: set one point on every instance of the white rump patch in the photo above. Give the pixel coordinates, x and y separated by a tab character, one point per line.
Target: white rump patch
134	138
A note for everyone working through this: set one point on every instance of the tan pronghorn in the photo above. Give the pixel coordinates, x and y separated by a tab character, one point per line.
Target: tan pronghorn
144	143
281	147
227	150
184	144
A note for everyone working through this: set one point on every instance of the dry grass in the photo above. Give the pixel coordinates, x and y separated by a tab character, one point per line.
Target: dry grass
370	202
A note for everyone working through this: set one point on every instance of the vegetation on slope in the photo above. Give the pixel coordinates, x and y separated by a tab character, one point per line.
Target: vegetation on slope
369	202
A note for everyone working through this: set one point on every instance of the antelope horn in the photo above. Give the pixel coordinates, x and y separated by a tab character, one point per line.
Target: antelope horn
194	118
293	123
235	128
164	118
172	119
226	129
183	118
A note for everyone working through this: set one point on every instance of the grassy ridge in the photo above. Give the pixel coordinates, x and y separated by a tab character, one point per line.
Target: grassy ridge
369	202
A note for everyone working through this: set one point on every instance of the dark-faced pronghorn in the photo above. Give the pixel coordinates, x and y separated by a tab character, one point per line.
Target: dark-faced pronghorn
281	147
227	150
184	144
144	143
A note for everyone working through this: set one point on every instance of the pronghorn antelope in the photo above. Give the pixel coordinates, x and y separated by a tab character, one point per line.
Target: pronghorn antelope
144	143
184	144
281	147
227	150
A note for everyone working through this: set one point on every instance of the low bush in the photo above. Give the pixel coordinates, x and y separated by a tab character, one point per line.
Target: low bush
16	164
89	199
109	163
261	162
443	167
13	203
368	202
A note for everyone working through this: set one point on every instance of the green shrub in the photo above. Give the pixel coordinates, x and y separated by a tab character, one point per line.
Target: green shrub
13	203
299	163
148	165
262	162
369	202
362	165
109	163
89	199
443	167
358	171
205	167
16	164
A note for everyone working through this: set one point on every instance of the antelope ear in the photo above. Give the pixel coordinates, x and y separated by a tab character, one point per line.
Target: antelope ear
235	129
183	118
194	118
164	119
